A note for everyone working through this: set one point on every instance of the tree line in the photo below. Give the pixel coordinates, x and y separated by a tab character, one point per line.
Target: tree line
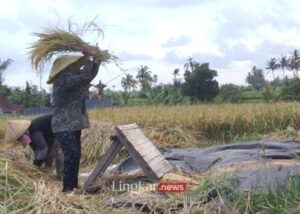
284	86
198	84
28	96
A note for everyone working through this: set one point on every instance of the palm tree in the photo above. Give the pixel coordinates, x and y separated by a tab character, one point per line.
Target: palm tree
256	78
128	82
176	73
176	81
294	63
154	78
283	63
272	65
144	77
28	93
3	66
190	64
144	73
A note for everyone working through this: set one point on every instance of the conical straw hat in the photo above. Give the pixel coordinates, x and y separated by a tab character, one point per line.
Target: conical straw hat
15	129
61	63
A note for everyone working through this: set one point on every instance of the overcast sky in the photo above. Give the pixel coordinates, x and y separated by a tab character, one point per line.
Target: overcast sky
231	35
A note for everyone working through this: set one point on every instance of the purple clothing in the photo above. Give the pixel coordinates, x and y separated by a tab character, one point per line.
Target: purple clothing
41	135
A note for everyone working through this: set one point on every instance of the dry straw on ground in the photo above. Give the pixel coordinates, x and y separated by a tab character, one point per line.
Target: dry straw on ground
25	188
95	141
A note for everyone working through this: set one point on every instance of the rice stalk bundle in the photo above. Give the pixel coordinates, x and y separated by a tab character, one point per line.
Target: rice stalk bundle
95	141
55	41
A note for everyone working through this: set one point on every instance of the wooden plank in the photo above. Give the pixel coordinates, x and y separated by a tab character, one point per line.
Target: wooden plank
139	141
146	149
162	171
137	156
142	150
128	126
136	136
164	168
104	162
147	145
162	165
127	129
157	163
151	156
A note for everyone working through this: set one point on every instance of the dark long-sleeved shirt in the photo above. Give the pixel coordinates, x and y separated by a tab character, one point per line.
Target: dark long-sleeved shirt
69	91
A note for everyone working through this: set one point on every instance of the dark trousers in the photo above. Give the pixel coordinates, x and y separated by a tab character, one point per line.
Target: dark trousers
71	146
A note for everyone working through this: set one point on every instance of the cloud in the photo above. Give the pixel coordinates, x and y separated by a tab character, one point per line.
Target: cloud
173	3
127	56
10	26
213	60
8	9
237	23
238	53
152	3
263	52
244	22
175	42
230	35
172	58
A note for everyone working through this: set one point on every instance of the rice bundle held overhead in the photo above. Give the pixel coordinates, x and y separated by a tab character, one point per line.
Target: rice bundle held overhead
55	41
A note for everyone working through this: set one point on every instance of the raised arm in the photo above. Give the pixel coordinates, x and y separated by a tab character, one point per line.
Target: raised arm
70	79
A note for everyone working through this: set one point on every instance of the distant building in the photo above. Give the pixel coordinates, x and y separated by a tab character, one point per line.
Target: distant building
7	107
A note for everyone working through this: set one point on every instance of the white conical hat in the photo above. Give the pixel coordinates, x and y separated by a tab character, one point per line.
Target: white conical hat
15	129
61	63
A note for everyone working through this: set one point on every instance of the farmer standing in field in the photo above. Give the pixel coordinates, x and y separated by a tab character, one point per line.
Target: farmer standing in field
71	76
39	136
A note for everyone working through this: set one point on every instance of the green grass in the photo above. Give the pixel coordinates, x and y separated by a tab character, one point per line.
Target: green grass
283	199
251	96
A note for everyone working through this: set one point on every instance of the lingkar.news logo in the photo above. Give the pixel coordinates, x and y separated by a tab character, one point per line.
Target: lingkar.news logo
136	188
171	187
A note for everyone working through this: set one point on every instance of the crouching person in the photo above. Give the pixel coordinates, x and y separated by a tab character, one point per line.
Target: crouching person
39	136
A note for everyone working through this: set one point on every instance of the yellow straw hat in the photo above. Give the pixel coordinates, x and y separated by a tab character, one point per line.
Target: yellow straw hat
61	63
15	129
